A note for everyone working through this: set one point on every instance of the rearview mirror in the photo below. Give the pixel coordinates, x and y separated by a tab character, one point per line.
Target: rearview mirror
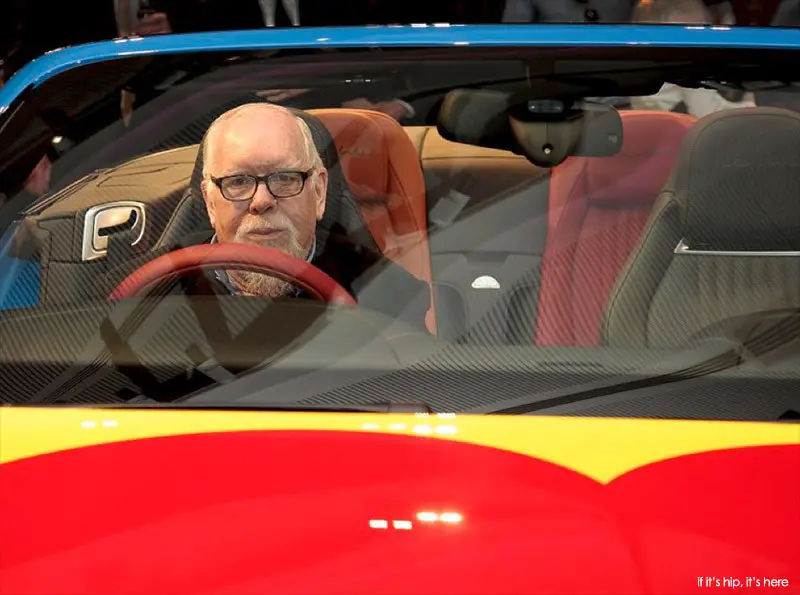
545	131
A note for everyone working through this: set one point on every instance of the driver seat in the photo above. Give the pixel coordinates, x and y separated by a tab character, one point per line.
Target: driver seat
724	237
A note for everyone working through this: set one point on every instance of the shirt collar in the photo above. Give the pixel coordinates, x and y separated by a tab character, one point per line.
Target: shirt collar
223	278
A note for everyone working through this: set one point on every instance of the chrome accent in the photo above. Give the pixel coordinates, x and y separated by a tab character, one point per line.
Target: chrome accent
683	248
108	215
485	282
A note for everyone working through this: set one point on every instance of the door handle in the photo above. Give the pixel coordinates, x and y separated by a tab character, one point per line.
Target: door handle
108	219
115	220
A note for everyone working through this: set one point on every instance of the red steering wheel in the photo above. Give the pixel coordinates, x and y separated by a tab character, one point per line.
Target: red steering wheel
241	257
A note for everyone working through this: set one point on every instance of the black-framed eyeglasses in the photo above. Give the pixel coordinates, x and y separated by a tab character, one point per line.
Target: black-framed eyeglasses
281	184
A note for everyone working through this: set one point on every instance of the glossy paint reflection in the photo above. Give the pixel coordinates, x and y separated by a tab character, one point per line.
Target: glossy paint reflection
338	512
423	517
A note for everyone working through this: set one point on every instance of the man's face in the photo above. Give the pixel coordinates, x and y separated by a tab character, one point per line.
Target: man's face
260	141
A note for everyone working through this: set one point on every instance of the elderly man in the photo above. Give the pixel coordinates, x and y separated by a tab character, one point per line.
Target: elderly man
264	183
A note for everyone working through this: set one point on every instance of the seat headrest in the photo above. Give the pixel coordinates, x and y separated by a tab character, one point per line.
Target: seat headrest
374	151
737	180
650	146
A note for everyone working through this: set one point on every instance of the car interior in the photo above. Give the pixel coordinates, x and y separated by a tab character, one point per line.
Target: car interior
559	272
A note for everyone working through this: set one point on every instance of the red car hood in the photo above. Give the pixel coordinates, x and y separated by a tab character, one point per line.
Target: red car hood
140	502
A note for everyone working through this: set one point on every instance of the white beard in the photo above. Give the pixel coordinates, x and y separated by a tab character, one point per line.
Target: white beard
260	284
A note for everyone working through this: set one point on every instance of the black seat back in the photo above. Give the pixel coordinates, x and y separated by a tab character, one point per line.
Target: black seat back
724	237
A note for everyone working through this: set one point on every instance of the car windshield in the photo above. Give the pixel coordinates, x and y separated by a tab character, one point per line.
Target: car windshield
598	231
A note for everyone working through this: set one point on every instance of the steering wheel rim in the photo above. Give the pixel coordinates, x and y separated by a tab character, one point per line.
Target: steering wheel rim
236	256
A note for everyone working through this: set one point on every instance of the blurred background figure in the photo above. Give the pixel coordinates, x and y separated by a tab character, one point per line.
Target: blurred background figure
30	28
270	7
721	12
682	12
698	102
787	14
25	34
595	11
195	16
754	13
38	26
567	11
126	13
147	19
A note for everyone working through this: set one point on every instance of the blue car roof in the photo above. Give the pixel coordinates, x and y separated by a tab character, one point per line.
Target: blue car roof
436	35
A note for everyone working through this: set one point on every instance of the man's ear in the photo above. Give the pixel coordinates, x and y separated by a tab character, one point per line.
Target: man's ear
322	191
210	206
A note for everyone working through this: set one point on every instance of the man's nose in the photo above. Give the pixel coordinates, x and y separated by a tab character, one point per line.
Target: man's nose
262	199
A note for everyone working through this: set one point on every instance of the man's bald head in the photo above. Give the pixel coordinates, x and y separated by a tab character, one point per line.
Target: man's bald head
255	114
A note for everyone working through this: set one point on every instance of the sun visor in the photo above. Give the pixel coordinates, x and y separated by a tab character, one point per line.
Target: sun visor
545	131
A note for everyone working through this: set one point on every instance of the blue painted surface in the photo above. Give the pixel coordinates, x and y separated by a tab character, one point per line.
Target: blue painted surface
405	36
19	283
19	279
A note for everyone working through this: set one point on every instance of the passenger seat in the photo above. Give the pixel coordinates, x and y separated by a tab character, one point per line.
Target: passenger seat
597	211
723	242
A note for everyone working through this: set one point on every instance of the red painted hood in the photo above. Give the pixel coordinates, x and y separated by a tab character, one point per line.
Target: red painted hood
286	510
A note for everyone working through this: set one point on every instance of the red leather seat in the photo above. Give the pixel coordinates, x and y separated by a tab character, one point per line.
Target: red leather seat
598	208
382	167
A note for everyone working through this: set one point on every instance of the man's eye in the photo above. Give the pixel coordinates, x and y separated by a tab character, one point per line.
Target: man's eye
239	182
285	178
